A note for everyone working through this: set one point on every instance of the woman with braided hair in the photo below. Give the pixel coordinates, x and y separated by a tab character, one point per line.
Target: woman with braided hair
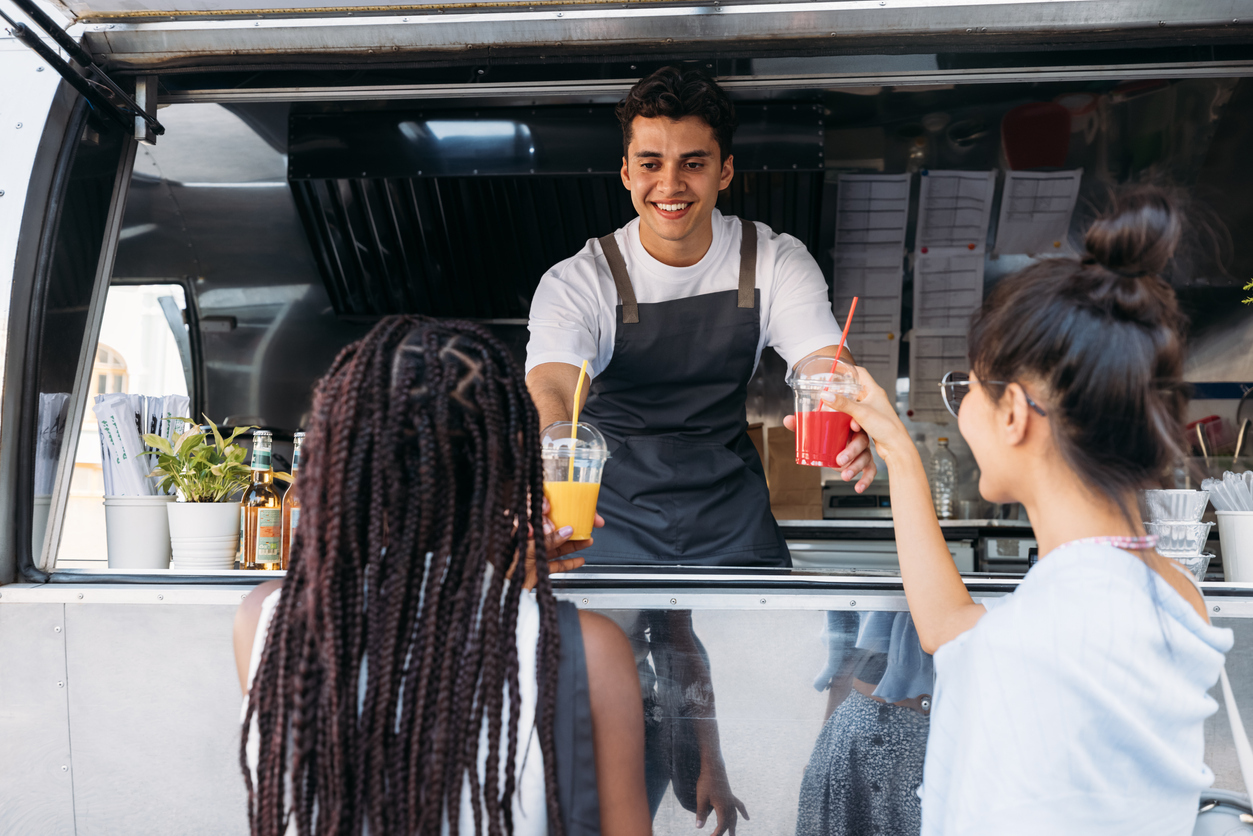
405	679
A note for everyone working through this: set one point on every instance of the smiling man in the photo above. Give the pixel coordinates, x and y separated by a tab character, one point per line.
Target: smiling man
672	312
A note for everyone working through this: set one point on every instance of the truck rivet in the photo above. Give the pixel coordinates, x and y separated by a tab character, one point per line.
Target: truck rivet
584	600
1216	609
19	126
160	597
61	684
1161	23
80	596
65	768
763	600
674	600
852	603
883	2
41	69
56	629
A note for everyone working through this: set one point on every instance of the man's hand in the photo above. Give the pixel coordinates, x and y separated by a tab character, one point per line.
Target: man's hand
856	457
713	792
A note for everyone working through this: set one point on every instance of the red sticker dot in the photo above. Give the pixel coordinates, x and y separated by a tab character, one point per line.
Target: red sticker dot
924	250
970	246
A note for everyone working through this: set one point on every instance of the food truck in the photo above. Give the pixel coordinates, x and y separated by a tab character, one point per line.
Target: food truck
208	200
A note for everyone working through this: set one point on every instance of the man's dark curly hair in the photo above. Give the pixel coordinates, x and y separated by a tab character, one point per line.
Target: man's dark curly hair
675	93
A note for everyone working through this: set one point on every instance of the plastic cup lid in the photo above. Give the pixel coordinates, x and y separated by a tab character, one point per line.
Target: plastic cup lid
588	443
816	373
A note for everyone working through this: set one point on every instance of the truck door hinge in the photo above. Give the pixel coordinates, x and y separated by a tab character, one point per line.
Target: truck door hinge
96	87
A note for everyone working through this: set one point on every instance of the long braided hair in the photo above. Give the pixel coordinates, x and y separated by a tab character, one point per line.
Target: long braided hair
421	474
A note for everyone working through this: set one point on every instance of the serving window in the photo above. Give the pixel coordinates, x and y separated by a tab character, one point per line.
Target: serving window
259	238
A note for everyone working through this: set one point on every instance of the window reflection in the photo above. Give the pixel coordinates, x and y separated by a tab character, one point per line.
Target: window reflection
866	766
815	723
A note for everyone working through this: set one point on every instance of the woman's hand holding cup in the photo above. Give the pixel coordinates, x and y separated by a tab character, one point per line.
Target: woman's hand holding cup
875	413
557	544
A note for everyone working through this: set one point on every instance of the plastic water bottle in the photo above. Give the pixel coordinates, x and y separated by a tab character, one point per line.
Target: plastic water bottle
943	480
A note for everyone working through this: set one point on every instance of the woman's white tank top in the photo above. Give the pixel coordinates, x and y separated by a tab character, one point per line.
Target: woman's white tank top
530	811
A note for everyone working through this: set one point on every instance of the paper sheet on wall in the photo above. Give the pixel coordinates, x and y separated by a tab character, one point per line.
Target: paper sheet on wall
872	213
933	352
953	210
947	289
1035	211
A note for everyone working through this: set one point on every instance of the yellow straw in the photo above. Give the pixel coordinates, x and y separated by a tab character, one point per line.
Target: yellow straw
574	431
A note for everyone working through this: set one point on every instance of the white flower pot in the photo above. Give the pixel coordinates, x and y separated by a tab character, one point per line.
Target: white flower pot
205	534
137	531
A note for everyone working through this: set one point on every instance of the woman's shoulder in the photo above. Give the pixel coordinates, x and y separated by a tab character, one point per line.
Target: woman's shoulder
1091	590
247	619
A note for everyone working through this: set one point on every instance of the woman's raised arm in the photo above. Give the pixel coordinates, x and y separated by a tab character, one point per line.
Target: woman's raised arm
938	600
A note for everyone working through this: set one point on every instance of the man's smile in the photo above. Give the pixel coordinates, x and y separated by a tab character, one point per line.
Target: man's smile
672	209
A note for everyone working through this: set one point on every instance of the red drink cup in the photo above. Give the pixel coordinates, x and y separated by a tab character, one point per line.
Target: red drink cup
821	432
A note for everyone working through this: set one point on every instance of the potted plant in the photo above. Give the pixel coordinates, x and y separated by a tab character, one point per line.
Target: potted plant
208	473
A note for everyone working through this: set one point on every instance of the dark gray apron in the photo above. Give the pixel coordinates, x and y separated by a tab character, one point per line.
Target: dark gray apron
684	484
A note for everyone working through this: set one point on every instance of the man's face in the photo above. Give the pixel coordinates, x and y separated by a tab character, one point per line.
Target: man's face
673	171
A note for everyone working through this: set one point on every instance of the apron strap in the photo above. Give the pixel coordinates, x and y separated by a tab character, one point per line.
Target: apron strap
617	266
622	281
748	264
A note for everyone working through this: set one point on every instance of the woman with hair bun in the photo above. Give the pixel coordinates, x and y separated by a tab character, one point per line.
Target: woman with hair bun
1077	703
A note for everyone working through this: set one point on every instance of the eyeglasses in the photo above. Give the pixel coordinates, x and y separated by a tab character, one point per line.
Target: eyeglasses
955	385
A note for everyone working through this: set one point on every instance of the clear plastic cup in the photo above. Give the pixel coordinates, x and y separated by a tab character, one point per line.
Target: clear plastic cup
572	491
821	432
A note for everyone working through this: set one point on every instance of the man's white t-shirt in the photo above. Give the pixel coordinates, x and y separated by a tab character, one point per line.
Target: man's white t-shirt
574	311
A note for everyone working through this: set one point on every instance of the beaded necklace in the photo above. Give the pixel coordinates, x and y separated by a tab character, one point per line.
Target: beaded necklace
1131	544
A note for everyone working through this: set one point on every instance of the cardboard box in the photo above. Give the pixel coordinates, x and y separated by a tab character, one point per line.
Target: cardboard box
795	489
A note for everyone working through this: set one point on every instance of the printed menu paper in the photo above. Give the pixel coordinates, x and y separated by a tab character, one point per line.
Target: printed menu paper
933	352
872	213
1035	211
953	212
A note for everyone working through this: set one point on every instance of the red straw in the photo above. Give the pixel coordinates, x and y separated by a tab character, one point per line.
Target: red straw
844	336
847	323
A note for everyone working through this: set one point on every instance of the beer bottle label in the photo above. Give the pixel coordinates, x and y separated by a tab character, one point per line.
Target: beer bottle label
262	443
269	535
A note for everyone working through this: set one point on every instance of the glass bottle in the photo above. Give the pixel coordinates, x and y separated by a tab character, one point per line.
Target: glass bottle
291	502
943	479
262	510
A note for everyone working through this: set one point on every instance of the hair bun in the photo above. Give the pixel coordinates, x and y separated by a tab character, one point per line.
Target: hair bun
1138	236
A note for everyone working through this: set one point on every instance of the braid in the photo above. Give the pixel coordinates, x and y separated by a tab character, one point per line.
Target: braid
416	502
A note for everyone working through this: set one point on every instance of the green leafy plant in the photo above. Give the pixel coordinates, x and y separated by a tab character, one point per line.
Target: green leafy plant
1249	286
202	467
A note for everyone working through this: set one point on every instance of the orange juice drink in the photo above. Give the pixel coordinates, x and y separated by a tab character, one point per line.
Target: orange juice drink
573	504
573	455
